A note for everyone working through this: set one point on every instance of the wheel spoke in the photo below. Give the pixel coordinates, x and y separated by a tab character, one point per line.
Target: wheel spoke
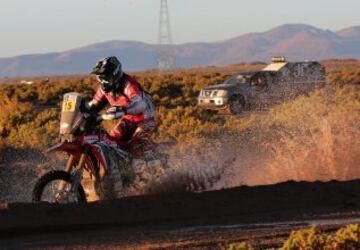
51	192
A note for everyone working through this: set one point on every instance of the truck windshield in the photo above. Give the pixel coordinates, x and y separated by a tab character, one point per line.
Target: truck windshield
238	79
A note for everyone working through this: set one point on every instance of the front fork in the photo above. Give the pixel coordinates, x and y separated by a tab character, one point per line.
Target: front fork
76	177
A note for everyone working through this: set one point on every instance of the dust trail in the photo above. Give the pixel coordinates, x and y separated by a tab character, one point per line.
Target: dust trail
194	167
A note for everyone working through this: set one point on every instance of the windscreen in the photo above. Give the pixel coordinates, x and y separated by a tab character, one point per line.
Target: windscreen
239	79
70	113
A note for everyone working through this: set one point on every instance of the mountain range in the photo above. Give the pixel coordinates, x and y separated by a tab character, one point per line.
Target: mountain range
294	41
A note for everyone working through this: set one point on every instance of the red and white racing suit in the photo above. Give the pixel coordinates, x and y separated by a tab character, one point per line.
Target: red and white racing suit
139	123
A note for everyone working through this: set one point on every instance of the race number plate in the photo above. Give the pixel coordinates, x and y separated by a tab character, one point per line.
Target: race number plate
69	106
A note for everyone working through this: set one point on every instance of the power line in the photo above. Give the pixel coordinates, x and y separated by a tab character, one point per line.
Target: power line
166	52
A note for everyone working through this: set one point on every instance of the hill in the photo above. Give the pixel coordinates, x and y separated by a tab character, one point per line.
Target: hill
295	41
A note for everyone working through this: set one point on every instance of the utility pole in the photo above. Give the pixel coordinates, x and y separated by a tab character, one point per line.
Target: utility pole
166	52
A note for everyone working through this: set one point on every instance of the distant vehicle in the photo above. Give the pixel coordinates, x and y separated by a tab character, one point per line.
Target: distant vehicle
257	90
27	82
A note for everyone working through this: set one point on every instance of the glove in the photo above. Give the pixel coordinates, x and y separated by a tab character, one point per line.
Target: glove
116	109
114	113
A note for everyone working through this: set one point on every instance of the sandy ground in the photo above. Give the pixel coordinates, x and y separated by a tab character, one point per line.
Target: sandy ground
262	215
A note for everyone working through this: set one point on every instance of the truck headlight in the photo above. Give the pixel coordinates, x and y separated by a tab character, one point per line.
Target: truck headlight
221	93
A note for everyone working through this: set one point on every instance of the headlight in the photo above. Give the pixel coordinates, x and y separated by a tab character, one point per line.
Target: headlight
206	93
221	93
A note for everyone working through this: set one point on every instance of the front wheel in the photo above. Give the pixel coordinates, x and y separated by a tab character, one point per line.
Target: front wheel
47	189
236	105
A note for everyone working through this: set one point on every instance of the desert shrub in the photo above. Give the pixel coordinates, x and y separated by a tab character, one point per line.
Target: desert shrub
306	239
174	93
239	246
344	78
341	65
307	138
28	135
346	238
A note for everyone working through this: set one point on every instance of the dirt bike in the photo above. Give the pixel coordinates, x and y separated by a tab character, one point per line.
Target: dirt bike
98	167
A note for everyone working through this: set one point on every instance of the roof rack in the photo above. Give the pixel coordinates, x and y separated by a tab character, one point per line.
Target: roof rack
278	59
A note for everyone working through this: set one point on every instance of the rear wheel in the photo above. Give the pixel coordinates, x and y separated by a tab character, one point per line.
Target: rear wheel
47	189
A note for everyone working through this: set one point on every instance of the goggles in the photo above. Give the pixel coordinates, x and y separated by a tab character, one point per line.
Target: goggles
102	79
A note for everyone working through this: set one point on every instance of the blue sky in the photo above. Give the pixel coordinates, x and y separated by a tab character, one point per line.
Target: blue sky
38	26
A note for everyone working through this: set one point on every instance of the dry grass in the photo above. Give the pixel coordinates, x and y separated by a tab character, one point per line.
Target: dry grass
314	137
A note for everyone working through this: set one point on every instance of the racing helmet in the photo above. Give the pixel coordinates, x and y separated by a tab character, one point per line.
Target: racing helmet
108	72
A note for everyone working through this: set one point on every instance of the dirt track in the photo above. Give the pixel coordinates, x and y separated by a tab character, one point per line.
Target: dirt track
263	215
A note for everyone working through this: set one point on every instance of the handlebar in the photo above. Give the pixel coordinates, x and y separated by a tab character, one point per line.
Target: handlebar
108	117
111	116
99	118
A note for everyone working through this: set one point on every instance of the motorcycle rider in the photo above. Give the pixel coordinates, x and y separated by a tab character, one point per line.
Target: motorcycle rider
128	101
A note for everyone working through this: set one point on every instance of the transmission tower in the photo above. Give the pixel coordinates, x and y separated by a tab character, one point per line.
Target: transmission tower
166	52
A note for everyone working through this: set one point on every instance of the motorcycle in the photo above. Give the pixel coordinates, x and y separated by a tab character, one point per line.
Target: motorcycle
98	167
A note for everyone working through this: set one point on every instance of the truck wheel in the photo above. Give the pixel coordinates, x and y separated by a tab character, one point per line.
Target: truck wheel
236	105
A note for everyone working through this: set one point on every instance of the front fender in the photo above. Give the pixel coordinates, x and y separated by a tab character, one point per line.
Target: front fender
55	148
